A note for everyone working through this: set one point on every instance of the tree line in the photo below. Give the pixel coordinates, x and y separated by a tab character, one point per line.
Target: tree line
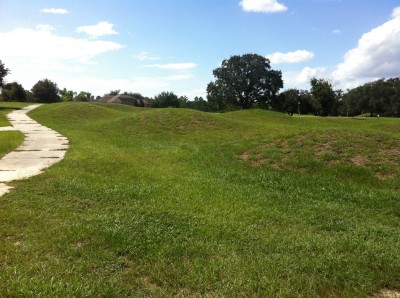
241	82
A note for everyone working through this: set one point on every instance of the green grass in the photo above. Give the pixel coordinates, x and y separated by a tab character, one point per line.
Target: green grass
7	107
9	140
174	202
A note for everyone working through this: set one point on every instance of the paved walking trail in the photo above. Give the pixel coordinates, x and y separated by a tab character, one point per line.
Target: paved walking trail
42	147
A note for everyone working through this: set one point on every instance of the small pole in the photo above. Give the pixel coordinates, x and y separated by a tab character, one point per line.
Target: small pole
298	107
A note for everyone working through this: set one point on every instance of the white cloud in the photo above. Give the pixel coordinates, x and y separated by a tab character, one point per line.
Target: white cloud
396	12
306	74
173	66
264	6
377	55
51	56
143	56
100	29
301	79
291	57
336	31
45	28
55	10
179	77
148	86
191	94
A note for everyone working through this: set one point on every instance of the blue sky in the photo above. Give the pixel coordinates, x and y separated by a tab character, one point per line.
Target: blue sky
149	46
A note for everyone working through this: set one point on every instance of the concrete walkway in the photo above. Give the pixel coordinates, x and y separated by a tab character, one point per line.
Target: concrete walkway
42	147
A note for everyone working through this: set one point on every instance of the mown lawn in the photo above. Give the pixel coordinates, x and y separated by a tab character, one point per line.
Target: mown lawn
9	140
173	202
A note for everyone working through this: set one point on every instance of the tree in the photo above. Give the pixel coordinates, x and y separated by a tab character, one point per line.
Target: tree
198	103
136	95
215	97
67	95
3	73
324	96
378	97
46	91
113	92
288	101
293	101
243	81
84	96
165	100
13	92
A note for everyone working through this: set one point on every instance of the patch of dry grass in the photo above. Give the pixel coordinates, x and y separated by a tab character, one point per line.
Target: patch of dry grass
313	151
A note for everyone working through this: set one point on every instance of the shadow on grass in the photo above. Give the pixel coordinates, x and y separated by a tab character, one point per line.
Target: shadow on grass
9	108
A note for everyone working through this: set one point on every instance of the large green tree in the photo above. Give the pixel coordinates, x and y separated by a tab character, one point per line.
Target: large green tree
244	81
46	91
13	92
324	96
3	73
288	101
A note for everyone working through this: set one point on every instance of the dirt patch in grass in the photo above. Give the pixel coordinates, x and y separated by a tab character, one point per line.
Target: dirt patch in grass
359	160
386	293
376	153
148	284
257	163
244	156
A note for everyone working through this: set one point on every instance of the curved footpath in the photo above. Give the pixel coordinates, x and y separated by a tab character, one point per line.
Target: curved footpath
42	147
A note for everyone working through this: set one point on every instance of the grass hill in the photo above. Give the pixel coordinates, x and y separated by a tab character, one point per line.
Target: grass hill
175	202
9	139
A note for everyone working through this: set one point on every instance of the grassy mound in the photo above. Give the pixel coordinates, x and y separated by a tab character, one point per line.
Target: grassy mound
174	202
9	140
7	107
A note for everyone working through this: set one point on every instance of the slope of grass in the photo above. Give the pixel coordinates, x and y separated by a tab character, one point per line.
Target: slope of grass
7	107
9	140
171	202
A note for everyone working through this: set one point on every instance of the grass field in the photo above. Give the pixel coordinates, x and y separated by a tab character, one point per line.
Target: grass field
174	202
8	139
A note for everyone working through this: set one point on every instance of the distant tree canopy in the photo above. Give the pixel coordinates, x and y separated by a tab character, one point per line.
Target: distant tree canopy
326	99
46	91
67	95
3	73
378	97
113	92
198	103
84	96
294	101
166	100
136	95
13	92
243	81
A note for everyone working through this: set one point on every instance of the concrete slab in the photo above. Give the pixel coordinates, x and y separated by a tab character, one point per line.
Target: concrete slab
7	128
42	148
18	174
35	154
4	189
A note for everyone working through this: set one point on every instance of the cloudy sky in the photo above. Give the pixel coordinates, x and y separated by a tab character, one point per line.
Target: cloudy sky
149	46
